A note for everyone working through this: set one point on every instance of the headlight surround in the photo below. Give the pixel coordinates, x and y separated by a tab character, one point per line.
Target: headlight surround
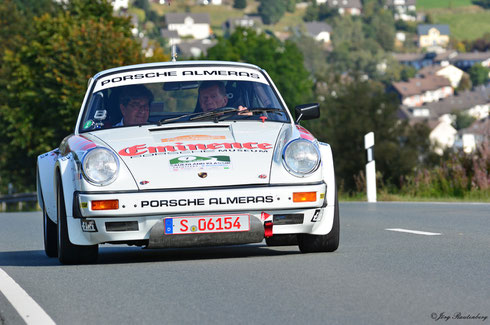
100	166
301	157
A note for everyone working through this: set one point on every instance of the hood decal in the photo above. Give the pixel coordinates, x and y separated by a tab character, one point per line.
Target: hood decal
142	150
195	137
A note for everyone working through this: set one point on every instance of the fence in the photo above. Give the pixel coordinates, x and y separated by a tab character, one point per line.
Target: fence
19	198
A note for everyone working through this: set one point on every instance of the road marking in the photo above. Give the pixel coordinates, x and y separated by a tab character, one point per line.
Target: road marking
417	232
27	308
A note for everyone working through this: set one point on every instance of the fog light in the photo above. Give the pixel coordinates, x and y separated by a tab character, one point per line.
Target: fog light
105	205
304	197
89	226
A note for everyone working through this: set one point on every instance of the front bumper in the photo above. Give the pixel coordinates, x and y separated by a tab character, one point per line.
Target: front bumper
145	210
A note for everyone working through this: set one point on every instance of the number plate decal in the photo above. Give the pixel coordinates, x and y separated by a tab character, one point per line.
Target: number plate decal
206	224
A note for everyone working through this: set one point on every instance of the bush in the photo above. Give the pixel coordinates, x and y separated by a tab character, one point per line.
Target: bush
458	176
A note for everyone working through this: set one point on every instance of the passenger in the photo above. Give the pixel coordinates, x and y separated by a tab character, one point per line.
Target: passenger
134	103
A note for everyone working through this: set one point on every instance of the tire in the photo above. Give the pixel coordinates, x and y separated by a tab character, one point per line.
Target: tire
49	228
50	235
322	243
282	240
69	253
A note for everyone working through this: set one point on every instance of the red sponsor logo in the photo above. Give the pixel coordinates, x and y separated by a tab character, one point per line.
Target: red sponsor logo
141	149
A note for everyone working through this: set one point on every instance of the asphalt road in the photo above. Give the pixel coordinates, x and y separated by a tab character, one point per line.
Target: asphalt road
377	276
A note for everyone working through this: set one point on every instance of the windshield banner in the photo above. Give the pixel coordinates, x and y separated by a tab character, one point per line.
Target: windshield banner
179	74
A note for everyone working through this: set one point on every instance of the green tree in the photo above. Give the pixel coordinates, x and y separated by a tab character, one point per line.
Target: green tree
290	5
271	11
313	55
351	109
320	13
32	8
240	4
463	120
282	61
47	78
482	3
478	74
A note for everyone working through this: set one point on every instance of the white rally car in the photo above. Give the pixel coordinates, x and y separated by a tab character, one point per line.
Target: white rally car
188	175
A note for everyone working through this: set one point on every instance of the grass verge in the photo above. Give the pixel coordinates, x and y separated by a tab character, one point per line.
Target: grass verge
382	196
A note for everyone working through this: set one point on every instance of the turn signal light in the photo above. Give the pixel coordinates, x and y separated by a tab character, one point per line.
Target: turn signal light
304	197
105	205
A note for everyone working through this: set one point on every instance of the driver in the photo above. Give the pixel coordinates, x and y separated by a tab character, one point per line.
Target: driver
212	95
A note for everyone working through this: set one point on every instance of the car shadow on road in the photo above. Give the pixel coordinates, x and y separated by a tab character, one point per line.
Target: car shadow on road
124	255
114	255
27	258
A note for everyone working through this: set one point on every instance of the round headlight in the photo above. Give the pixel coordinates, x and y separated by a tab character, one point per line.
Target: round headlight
100	166
301	157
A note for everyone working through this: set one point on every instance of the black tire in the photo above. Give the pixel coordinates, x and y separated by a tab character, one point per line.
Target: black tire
282	240
50	235
322	243
49	228
69	253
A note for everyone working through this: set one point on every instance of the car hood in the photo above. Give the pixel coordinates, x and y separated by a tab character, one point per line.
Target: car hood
194	156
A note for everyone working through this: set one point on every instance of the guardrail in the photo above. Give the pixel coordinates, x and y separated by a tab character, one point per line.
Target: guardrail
18	198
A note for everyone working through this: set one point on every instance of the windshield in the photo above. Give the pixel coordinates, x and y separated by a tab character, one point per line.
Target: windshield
132	98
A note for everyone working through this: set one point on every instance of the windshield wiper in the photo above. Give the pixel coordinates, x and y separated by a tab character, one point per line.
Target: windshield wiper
172	119
219	112
265	110
215	113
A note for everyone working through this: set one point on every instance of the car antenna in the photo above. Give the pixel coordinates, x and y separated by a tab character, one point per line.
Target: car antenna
174	53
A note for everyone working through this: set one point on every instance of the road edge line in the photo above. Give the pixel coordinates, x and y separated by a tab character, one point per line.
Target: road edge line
27	307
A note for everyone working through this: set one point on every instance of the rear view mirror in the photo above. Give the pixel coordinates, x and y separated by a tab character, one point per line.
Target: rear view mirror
180	85
307	112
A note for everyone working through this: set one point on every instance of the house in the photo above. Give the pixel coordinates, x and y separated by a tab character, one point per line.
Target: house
475	103
474	136
442	136
416	60
210	2
171	36
320	31
194	48
120	4
403	9
467	60
449	71
417	91
192	25
350	7
135	25
254	22
433	35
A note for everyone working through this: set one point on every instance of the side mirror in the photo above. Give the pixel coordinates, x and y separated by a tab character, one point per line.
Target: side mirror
307	112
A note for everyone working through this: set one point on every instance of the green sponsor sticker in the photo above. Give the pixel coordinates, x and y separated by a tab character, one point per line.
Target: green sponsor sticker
200	162
88	124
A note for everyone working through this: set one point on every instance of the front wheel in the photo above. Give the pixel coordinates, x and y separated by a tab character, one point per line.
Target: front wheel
69	253
322	243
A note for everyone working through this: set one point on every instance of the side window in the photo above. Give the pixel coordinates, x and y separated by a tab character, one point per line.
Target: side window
97	113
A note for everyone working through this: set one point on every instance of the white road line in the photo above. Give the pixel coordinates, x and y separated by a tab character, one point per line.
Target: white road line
27	308
417	232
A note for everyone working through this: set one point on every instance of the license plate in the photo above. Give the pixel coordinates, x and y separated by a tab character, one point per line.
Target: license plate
206	224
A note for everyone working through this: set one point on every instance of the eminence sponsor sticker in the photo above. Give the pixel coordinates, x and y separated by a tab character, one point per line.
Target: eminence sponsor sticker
142	150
